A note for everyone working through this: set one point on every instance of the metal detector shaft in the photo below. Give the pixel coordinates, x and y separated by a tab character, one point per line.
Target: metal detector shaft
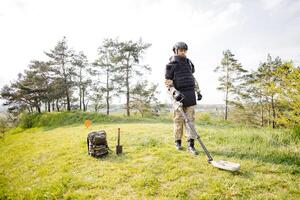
192	127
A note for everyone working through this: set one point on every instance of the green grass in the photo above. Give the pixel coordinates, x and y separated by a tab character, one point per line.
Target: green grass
52	163
58	119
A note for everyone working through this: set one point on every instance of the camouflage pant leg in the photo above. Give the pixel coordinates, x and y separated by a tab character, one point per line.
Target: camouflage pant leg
190	112
178	124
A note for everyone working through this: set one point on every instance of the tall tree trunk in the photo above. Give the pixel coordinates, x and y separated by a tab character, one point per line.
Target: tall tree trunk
273	111
261	112
38	108
66	84
96	107
80	95
57	107
83	101
80	90
107	91
49	106
52	106
269	112
226	106
68	99
86	105
226	95
261	107
127	89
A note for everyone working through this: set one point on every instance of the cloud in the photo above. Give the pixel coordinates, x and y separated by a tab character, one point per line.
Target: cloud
270	4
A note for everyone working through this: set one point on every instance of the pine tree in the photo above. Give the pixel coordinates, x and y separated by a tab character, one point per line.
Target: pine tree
288	90
80	62
61	64
269	82
231	73
128	58
104	68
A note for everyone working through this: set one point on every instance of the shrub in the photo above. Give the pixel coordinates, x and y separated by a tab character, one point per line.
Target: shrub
203	118
27	120
3	126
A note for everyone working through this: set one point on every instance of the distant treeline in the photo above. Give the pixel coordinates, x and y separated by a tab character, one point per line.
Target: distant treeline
68	81
267	96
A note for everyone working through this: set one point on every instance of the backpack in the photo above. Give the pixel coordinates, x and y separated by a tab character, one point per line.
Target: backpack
97	144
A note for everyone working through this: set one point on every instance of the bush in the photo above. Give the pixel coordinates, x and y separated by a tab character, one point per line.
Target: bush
3	126
203	118
27	120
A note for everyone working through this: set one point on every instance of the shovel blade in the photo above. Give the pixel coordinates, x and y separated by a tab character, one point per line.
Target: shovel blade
119	149
222	164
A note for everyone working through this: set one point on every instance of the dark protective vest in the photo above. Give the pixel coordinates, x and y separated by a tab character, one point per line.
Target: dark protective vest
180	70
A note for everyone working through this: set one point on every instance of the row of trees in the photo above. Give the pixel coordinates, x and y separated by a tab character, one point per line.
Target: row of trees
68	81
269	95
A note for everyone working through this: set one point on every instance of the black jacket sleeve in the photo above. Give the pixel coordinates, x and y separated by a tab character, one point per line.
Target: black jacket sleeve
169	71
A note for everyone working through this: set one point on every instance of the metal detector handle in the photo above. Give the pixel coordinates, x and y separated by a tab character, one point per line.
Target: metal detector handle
192	127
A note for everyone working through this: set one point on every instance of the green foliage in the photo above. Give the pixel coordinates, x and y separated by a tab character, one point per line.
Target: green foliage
288	94
296	132
104	68
3	126
270	95
53	84
203	118
143	98
28	120
128	58
57	119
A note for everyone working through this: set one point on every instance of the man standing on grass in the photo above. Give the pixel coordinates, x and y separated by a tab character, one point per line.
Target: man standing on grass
179	76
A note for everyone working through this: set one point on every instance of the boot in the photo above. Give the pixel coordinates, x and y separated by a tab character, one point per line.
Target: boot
191	147
178	144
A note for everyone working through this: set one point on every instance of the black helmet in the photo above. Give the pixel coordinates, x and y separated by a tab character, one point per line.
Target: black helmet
180	45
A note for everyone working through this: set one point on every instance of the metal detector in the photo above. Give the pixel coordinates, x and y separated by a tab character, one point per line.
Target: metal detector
221	164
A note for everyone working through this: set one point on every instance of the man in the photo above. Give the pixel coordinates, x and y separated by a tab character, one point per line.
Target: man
181	82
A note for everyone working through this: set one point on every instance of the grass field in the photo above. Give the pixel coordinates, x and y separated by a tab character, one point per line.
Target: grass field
52	163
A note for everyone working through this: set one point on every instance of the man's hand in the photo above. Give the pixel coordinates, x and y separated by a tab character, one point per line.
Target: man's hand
178	96
168	83
199	96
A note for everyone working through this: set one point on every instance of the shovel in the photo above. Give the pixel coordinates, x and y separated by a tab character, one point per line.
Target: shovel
119	148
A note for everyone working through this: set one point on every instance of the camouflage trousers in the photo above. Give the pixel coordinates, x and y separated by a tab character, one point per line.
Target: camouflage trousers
179	122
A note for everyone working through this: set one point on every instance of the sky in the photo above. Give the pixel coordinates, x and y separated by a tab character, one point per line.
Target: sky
250	29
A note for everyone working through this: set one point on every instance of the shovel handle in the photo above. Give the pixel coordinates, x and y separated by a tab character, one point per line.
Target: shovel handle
118	136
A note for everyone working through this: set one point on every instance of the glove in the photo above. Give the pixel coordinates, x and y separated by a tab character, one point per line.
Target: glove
178	96
199	96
